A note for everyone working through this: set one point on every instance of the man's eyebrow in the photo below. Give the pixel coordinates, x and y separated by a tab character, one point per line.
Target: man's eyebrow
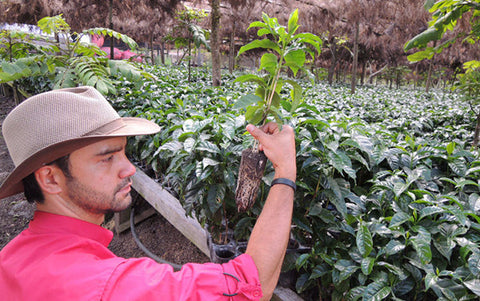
110	150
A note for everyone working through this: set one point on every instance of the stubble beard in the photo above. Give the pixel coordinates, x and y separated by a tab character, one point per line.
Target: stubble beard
99	202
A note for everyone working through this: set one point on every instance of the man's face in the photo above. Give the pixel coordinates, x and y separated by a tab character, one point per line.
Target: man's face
100	177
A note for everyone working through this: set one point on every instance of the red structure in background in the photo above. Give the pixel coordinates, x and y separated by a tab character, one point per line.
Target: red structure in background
117	53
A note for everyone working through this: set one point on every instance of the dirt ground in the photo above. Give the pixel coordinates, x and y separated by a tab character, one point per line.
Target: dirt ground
157	234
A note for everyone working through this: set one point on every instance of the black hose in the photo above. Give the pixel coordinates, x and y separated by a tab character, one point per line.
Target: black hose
144	249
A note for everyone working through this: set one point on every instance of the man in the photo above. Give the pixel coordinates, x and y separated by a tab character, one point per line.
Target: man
68	147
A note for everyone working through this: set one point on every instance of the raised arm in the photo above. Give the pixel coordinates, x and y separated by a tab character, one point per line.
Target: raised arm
271	233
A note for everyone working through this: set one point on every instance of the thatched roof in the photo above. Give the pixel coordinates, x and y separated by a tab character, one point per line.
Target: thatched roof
385	25
138	19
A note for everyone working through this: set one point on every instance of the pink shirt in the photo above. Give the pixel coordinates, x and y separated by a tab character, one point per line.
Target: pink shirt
62	258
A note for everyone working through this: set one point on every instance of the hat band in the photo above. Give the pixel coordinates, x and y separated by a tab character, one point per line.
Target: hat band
108	128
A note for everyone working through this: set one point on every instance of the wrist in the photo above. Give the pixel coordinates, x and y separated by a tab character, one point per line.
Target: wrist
284	181
290	174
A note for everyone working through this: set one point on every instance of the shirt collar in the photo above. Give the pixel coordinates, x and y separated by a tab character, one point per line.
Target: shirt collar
44	222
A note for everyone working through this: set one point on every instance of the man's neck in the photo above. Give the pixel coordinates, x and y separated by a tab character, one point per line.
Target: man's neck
62	207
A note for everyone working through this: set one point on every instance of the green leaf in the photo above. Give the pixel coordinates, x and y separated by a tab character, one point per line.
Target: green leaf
246	100
295	60
459	214
275	101
445	246
301	282
430	279
265	43
393	247
346	269
336	195
473	285
377	291
213	198
257	24
472	170
458	167
430	210
295	94
474	263
209	162
421	40
450	148
309	38
421	244
342	162
292	22
269	62
302	260
398	219
251	78
364	241
427	53
325	215
263	31
367	265
254	114
101	87
54	24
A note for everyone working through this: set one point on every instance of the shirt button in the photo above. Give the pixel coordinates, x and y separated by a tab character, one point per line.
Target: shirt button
256	293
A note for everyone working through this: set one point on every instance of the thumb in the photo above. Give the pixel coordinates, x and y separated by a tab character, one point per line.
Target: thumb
254	131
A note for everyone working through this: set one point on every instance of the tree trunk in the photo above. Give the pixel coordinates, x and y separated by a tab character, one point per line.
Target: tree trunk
399	78
364	72
477	132
338	73
162	52
355	59
429	76
430	67
152	54
110	17
189	61
214	44
231	54
331	69
415	79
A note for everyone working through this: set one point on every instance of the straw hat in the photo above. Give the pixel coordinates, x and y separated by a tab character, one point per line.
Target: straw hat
51	125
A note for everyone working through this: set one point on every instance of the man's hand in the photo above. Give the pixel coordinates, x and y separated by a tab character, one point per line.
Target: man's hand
278	146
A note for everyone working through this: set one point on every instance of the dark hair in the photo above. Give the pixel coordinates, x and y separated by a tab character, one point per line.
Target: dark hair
32	190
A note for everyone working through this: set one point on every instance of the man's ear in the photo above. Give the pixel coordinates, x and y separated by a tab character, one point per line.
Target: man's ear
49	178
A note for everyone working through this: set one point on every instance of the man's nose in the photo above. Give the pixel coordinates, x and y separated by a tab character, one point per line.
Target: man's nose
128	169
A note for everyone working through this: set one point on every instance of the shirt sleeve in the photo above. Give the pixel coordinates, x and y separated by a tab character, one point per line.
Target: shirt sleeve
145	279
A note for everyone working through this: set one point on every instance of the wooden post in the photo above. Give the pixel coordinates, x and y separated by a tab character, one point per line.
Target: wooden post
168	206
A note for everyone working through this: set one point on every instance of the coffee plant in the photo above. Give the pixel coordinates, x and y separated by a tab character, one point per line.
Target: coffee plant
387	204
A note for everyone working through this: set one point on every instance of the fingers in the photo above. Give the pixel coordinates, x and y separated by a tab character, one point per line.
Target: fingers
278	146
270	128
263	132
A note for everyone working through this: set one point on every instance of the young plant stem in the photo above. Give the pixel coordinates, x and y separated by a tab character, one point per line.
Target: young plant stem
274	86
269	100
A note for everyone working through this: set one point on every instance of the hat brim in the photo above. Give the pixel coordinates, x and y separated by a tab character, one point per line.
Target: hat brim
122	127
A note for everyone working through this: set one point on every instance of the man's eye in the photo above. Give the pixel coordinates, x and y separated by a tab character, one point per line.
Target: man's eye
108	159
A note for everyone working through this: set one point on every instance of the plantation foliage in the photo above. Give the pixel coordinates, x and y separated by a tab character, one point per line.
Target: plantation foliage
388	187
387	204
